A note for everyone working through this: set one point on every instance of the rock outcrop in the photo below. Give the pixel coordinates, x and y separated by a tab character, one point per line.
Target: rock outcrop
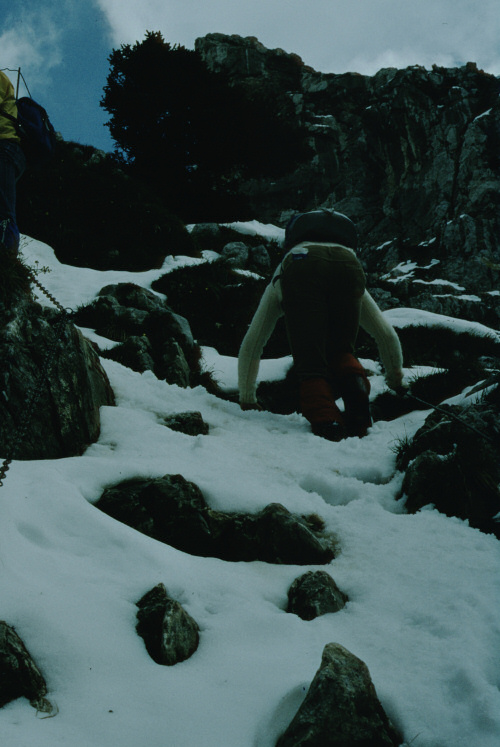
452	463
52	384
173	510
151	336
410	155
19	675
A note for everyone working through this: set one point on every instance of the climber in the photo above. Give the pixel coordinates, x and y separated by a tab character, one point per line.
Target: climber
12	165
319	287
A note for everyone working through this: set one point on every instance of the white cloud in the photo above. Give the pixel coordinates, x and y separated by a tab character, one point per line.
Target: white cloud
330	35
30	41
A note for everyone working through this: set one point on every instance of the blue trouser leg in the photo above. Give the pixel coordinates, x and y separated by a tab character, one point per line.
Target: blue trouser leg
12	165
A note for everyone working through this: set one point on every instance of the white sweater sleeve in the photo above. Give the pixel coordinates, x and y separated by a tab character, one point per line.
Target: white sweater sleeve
259	332
389	346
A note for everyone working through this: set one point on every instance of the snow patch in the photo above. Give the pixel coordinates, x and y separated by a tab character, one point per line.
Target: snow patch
423	589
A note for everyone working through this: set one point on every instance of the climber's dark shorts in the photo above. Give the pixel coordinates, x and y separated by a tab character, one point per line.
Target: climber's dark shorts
321	300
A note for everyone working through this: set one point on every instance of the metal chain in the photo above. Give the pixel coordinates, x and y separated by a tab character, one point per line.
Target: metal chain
34	279
36	390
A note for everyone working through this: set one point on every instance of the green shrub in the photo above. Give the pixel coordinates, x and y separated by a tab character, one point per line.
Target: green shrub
93	215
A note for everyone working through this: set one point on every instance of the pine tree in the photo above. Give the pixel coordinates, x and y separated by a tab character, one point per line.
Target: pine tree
185	130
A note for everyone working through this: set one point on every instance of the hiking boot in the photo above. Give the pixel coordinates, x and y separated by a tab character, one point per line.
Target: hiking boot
329	431
355	390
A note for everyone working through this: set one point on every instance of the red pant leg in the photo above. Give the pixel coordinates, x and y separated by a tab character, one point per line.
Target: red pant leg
317	402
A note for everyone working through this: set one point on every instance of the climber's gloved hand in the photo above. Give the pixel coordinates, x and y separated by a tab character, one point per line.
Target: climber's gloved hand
402	390
395	382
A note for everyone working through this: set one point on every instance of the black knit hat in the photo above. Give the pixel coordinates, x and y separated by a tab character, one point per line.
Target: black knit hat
321	225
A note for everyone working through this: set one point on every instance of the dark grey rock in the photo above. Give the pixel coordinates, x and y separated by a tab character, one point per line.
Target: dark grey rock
112	320
259	260
152	337
453	464
183	330
133	296
135	353
173	510
169	632
236	253
190	423
163	325
167	360
273	535
19	675
169	509
57	364
341	708
126	309
172	365
314	594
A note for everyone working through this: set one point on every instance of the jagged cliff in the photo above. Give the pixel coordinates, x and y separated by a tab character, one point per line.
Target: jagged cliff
412	156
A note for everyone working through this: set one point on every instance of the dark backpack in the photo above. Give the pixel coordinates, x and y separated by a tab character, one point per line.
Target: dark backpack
38	137
321	225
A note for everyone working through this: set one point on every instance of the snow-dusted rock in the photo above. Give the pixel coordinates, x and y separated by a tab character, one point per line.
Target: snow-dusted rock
52	385
190	423
19	675
174	511
236	253
313	594
169	632
341	708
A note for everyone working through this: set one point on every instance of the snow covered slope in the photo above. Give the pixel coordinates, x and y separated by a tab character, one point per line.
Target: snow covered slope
423	610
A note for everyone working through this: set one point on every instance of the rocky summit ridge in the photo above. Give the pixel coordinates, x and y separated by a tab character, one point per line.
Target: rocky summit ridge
411	155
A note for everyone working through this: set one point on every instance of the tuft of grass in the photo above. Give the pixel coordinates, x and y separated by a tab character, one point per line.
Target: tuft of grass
400	447
14	279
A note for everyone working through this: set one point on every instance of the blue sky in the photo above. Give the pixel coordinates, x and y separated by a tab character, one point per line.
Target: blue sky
63	46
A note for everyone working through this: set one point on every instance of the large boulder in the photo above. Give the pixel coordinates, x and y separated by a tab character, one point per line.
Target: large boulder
52	384
150	334
452	463
173	510
341	708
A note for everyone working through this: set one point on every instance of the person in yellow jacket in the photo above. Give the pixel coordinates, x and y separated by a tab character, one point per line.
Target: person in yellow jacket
320	288
12	165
